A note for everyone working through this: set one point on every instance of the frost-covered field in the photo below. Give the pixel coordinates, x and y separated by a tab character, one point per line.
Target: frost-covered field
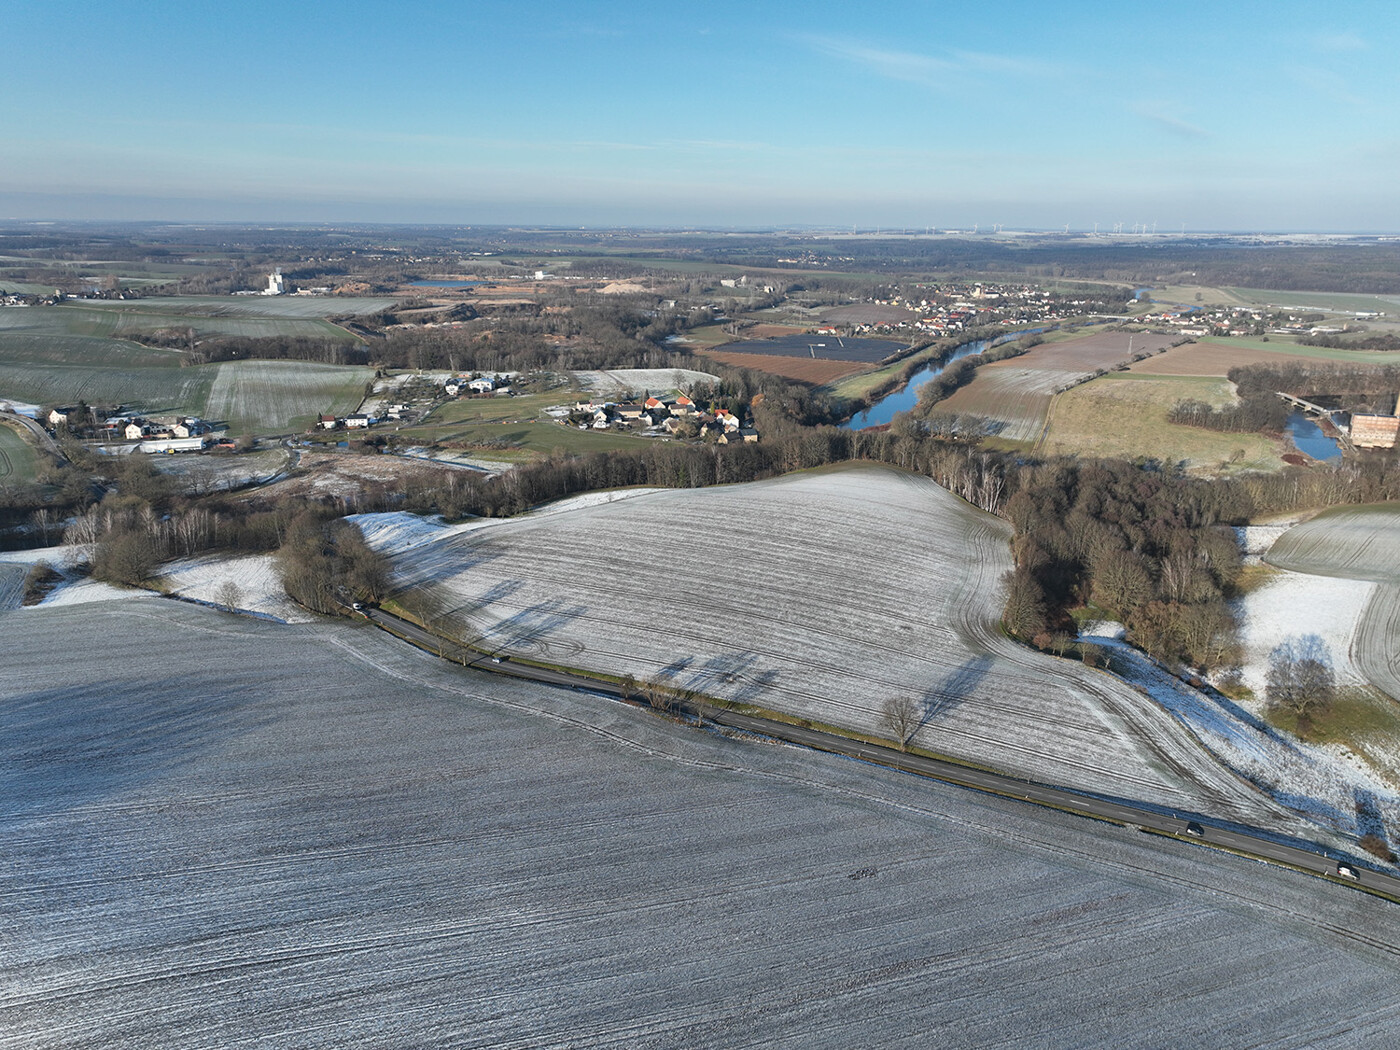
1359	543
1293	603
1355	544
248	583
657	380
820	595
221	832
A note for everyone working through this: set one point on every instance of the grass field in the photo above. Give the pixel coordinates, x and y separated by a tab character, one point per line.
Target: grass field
525	408
277	396
137	388
17	458
1016	393
1123	414
523	440
1330	302
1277	345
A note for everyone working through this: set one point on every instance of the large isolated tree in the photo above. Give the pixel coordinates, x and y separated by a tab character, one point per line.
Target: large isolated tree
1301	678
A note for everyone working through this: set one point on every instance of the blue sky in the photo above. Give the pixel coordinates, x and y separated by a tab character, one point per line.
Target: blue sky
1269	116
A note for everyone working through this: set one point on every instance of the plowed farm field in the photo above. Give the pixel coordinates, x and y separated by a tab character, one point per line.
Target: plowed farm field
802	369
1207	358
221	832
819	595
1016	393
1356	543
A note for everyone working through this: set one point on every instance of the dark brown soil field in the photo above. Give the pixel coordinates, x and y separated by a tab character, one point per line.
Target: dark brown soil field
1101	350
1210	359
830	347
871	313
803	369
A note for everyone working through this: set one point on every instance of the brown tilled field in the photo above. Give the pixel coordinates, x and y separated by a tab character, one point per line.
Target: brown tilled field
1089	354
864	313
1208	359
771	331
803	369
1016	393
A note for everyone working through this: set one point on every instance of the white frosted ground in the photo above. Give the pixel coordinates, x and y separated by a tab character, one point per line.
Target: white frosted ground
222	832
622	380
1290	604
822	595
258	581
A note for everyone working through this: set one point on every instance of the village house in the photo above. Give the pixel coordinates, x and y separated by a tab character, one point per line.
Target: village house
326	422
484	385
356	421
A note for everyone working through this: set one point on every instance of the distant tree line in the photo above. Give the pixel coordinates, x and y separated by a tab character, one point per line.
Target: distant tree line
1310	379
1375	341
1259	411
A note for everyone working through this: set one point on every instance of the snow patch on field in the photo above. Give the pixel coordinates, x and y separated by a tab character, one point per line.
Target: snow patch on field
1295	603
19	408
621	380
396	532
1255	540
1318	782
207	578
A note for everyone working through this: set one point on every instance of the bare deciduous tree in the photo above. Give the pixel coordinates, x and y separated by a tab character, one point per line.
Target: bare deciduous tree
1300	678
902	718
229	595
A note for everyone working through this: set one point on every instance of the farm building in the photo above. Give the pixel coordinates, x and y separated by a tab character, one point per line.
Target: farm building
1375	431
355	421
172	444
482	386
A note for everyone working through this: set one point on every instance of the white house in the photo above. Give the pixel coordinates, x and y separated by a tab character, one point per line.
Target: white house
484	385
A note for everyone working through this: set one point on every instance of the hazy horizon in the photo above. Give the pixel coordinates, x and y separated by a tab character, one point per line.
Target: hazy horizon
1266	118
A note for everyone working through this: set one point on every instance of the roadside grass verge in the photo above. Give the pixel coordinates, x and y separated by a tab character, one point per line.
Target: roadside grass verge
1360	719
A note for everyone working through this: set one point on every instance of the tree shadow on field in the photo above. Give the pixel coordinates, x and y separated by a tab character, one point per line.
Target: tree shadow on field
529	630
733	676
943	699
64	748
1369	821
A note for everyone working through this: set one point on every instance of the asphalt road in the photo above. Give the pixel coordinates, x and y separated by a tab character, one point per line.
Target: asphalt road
1310	857
40	434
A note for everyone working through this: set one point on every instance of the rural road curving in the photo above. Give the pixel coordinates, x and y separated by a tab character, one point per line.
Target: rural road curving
1300	854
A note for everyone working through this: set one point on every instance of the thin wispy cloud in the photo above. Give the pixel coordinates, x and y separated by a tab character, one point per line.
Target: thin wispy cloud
1342	42
1326	85
1175	125
912	67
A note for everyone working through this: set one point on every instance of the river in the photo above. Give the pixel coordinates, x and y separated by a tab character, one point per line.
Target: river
906	398
1309	439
